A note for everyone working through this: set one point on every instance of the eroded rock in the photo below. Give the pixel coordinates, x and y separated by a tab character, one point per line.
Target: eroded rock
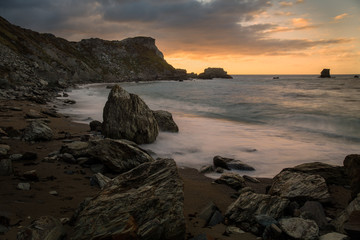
38	131
165	121
45	227
231	179
298	228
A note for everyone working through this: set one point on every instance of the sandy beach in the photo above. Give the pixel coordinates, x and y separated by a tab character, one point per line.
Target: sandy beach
72	184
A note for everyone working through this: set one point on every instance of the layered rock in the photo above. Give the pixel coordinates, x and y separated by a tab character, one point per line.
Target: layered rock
210	73
298	228
340	221
117	155
126	116
165	121
45	227
300	186
231	179
144	203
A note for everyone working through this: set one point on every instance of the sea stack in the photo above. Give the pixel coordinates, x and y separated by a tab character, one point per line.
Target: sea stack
210	73
126	116
325	73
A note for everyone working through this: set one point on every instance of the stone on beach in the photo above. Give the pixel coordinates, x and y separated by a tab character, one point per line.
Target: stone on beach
231	179
95	126
143	203
45	227
126	116
230	163
6	167
38	131
298	185
4	149
298	228
344	216
165	121
352	168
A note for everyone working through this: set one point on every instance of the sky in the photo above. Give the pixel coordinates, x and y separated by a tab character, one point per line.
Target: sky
241	36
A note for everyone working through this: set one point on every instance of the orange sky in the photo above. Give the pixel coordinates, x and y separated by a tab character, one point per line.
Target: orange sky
243	37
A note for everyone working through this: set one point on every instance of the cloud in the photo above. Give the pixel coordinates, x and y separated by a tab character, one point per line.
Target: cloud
340	17
286	4
202	27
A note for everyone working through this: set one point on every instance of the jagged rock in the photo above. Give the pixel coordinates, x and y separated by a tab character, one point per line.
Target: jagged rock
45	227
165	121
95	126
232	179
325	73
298	228
51	113
15	157
211	215
69	101
6	168
229	163
314	210
298	185
126	116
23	186
334	236
100	180
352	168
344	215
33	114
251	179
117	155
332	174
4	149
250	204
38	131
143	203
210	73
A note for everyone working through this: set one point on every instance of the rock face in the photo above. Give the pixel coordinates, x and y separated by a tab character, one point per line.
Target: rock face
117	155
126	116
297	185
38	131
298	228
210	73
250	204
325	73
45	227
165	121
340	221
144	203
352	168
229	163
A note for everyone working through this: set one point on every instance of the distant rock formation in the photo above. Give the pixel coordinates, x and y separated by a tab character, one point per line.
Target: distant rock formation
32	60
325	73
210	73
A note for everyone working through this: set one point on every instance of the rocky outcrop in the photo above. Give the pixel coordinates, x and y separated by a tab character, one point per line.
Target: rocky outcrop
126	116
210	73
165	121
325	73
38	131
230	163
352	168
300	186
117	155
30	60
144	203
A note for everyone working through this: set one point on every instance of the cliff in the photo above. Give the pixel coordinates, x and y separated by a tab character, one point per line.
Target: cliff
28	58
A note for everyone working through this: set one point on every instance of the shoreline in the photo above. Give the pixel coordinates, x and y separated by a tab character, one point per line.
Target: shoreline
72	181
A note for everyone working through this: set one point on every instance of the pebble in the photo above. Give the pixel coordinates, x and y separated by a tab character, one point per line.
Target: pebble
23	186
54	193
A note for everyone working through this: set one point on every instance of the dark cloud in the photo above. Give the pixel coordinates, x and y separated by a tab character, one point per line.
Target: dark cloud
188	25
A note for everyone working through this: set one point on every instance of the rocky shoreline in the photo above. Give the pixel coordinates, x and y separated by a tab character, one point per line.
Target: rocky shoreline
61	179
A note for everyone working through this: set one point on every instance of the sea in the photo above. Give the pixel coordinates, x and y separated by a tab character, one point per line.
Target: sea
267	123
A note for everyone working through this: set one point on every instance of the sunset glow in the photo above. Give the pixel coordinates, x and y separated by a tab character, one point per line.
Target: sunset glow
243	37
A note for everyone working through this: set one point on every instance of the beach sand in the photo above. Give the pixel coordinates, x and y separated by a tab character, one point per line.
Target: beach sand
72	184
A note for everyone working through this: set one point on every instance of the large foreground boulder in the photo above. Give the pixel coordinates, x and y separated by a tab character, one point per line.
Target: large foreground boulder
126	116
165	121
144	203
300	186
117	155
